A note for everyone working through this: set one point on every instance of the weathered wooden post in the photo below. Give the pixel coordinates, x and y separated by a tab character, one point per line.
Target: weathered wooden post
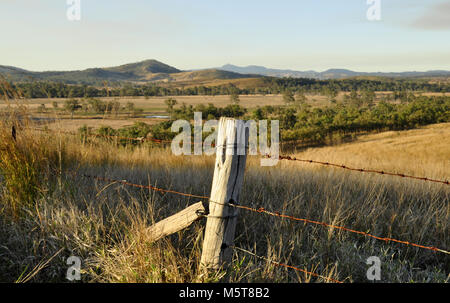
176	222
231	155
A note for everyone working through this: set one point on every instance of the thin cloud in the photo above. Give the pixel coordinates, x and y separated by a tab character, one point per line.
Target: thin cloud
437	18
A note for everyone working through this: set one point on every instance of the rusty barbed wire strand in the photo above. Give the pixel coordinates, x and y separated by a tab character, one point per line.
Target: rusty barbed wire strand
362	170
285	265
124	182
205	197
277	214
271	213
261	210
387	240
282	157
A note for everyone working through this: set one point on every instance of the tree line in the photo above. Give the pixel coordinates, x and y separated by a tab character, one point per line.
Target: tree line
93	106
355	115
303	125
266	85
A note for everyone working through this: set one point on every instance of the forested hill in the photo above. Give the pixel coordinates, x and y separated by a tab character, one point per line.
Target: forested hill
141	72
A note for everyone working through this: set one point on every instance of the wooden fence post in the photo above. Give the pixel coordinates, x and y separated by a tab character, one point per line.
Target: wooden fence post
176	222
231	155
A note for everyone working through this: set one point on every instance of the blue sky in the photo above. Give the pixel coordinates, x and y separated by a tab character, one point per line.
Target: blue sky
294	34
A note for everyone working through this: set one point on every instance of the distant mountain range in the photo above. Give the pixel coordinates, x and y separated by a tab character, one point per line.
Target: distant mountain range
328	74
140	72
154	71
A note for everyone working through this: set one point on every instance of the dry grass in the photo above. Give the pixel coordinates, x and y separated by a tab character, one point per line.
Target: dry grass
422	152
157	104
104	223
74	125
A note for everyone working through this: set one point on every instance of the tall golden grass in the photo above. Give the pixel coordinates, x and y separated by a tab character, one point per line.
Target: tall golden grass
104	223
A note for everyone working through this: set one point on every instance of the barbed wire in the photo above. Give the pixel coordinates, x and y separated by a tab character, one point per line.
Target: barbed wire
277	214
282	157
285	265
205	197
261	210
124	182
362	170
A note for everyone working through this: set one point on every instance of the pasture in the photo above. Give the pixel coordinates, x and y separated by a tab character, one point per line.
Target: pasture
104	223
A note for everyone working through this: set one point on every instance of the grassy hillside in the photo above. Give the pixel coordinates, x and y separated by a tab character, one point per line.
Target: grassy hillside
209	75
393	151
140	72
144	67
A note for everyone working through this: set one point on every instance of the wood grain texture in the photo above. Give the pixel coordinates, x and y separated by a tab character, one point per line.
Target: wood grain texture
176	222
231	155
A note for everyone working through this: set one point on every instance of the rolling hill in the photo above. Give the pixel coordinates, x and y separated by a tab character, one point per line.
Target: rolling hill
139	72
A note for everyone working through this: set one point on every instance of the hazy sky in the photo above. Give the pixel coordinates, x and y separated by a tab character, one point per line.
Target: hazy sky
191	34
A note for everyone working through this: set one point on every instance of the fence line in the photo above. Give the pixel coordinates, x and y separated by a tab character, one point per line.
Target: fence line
362	170
124	182
277	214
261	210
287	266
282	157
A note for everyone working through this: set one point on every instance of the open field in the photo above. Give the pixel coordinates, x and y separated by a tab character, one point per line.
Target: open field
74	124
156	104
422	152
104	223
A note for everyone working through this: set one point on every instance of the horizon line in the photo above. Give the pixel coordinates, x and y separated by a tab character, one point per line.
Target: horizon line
216	67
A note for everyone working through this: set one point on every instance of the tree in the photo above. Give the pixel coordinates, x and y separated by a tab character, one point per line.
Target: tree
368	97
170	104
233	111
300	97
288	118
72	105
331	91
288	97
116	108
234	97
130	107
354	99
98	105
258	114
